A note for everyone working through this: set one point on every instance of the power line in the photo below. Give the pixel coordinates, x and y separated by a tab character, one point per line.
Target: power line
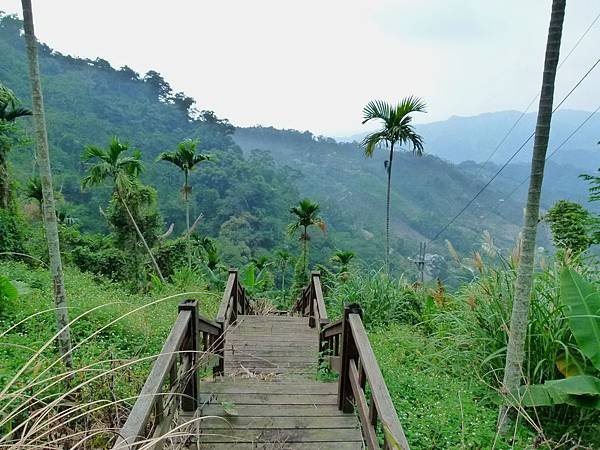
514	125
470	202
562	144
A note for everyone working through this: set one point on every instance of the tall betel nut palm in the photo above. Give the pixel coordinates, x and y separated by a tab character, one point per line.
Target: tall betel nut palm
49	210
307	215
122	170
515	351
396	131
186	158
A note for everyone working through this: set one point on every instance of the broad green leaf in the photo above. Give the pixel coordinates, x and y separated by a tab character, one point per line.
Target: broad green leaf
581	391
583	312
8	289
569	365
577	385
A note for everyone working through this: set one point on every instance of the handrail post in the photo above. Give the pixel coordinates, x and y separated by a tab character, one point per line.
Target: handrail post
234	294
219	349
189	401
311	304
349	351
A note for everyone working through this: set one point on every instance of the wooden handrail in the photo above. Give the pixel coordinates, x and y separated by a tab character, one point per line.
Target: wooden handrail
177	364
234	302
345	346
311	302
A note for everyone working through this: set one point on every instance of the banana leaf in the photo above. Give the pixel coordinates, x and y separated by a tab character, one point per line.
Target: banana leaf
582	300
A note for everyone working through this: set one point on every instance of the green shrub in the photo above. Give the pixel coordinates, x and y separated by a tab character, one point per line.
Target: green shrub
383	300
12	232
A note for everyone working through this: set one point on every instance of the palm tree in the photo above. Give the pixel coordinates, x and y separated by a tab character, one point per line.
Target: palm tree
112	164
49	210
283	258
261	263
343	259
10	111
396	130
34	190
186	158
307	214
515	349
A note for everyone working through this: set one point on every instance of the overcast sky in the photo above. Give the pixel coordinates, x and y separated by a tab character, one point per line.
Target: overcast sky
313	64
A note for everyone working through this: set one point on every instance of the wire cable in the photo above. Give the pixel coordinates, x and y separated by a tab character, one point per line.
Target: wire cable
562	144
484	187
509	132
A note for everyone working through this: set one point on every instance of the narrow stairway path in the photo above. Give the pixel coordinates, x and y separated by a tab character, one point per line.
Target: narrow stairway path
269	397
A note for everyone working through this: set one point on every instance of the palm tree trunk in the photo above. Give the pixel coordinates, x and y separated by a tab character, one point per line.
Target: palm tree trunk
49	210
4	179
187	219
305	242
515	351
283	283
387	210
141	236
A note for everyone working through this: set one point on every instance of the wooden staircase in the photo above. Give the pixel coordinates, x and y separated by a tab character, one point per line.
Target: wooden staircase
271	396
263	392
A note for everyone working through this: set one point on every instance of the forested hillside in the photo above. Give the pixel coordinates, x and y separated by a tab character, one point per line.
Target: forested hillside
244	198
171	279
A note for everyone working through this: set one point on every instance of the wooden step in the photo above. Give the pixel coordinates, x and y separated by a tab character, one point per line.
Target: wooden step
274	399
285	436
262	387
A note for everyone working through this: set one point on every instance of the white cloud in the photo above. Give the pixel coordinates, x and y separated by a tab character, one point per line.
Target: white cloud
314	64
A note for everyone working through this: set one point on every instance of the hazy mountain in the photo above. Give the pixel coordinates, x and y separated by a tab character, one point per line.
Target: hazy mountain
474	138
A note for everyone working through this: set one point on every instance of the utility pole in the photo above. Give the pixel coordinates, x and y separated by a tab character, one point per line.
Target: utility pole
420	261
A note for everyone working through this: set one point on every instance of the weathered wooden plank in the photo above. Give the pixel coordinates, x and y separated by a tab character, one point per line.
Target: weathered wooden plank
316	279
287	446
276	399
208	326
379	391
225	302
271	372
269	388
306	358
272	351
283	436
144	405
269	339
216	409
277	319
298	422
332	329
335	363
363	410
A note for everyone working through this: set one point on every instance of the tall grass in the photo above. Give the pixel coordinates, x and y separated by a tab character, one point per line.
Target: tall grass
117	336
384	300
478	315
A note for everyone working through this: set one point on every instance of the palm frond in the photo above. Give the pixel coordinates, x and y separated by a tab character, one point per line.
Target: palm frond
97	174
91	152
372	140
376	109
14	114
172	157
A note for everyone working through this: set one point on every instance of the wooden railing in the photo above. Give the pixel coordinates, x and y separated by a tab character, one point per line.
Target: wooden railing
345	346
311	303
234	302
173	379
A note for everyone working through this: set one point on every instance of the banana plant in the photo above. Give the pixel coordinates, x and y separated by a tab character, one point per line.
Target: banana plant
581	387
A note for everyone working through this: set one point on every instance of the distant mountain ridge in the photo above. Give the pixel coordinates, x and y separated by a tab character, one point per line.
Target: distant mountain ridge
474	138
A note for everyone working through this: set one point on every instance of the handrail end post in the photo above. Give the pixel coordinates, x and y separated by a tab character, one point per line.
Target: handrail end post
219	369
189	401
348	352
